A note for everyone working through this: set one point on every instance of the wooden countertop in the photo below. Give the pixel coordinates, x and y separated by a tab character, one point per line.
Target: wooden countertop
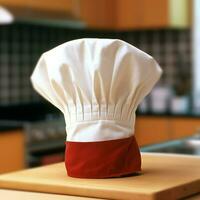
163	177
22	195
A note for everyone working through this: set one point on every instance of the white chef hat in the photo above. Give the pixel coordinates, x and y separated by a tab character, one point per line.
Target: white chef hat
97	84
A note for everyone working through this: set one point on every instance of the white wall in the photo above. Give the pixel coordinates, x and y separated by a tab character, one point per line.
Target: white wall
196	55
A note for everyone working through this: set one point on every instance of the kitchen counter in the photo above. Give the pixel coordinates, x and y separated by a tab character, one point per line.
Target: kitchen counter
169	114
7	125
17	116
22	195
163	177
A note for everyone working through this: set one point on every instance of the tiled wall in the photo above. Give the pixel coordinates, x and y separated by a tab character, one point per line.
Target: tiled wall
22	44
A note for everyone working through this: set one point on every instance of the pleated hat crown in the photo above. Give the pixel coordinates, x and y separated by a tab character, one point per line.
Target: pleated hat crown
97	84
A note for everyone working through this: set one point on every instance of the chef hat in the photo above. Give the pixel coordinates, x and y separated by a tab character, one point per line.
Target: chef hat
97	84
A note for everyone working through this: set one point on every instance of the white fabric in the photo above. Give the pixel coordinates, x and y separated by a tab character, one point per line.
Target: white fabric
97	84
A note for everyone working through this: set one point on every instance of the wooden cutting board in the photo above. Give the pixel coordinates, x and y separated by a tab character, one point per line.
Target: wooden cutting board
163	177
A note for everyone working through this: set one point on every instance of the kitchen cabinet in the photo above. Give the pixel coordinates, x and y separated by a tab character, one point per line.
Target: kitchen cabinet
112	14
183	127
12	150
150	130
135	14
14	3
60	7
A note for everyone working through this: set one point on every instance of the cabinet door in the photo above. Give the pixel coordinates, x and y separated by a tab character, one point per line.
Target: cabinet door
135	14
183	127
51	5
70	7
150	130
12	151
124	14
14	3
98	14
142	14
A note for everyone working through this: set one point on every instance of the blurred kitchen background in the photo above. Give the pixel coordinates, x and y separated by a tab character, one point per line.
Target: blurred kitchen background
32	132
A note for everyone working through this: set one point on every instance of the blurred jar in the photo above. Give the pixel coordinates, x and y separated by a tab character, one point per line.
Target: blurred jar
144	105
160	98
179	104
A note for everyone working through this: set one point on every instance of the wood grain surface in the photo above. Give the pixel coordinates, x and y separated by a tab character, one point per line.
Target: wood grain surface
24	195
163	177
